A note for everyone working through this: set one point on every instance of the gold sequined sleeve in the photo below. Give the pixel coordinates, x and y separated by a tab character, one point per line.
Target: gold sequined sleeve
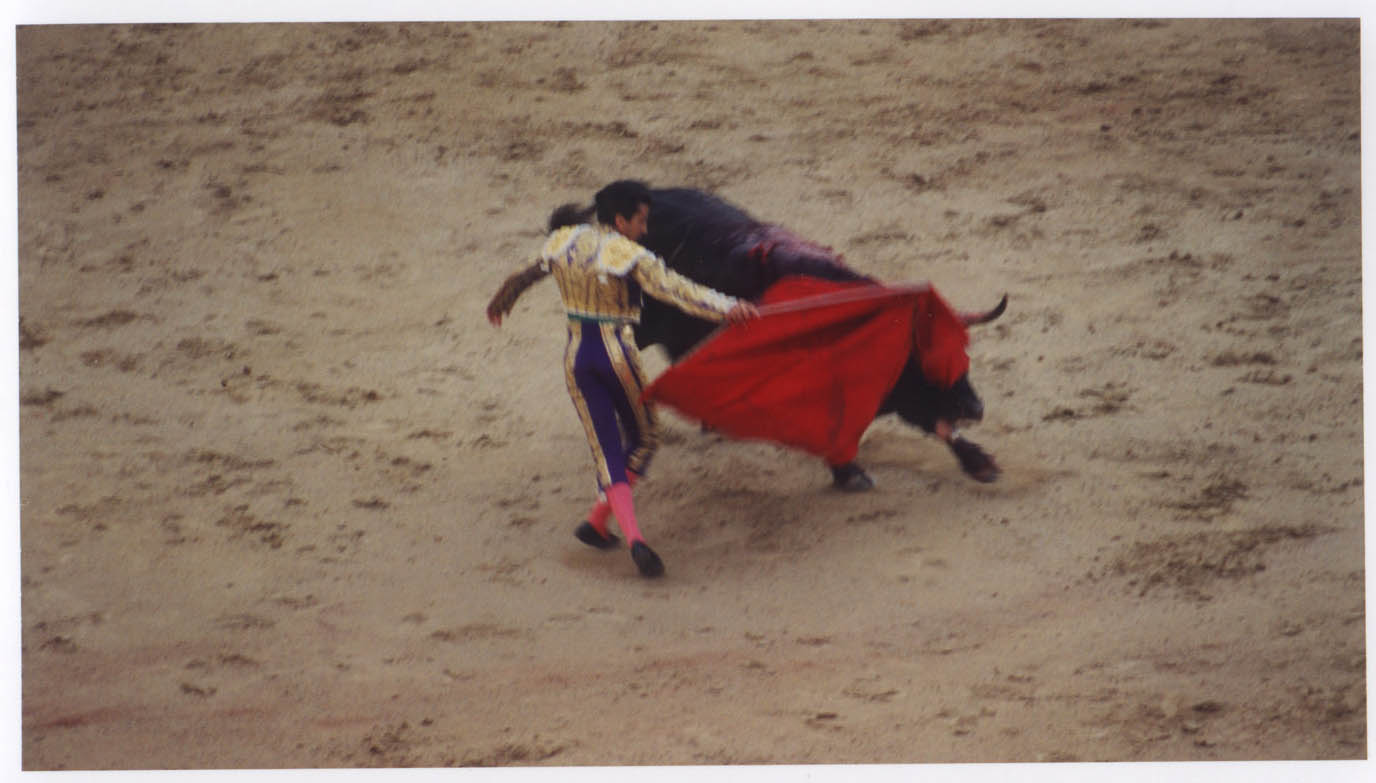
663	283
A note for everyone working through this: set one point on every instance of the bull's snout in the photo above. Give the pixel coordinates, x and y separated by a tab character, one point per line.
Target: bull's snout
964	404
974	409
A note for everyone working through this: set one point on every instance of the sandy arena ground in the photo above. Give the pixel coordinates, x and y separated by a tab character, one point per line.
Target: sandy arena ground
289	501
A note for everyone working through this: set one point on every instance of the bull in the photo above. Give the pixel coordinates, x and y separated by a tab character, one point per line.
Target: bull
721	246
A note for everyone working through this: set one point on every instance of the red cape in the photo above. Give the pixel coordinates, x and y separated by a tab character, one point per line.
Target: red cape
814	369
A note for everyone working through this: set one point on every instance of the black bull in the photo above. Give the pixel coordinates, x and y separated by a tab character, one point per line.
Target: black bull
721	246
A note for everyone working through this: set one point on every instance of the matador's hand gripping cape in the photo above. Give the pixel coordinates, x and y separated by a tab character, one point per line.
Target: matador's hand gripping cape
813	371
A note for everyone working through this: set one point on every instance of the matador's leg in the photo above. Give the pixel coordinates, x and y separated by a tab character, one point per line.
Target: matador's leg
595	385
594	531
637	418
585	368
595	390
637	421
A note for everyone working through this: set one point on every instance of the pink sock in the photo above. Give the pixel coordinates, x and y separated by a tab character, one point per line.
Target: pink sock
597	517
619	498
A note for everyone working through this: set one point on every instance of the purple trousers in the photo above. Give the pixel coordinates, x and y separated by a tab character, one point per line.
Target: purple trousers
605	380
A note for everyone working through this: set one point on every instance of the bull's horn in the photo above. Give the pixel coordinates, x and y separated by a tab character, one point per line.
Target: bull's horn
971	319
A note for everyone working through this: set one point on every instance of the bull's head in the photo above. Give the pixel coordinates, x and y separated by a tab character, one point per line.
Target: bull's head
935	384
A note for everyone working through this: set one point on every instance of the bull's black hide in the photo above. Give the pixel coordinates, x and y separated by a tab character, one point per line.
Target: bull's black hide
721	246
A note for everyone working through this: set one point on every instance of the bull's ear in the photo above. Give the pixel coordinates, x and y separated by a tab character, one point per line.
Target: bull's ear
970	319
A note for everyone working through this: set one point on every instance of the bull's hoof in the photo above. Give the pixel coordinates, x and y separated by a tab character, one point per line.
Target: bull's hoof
646	560
860	482
589	535
851	478
987	476
975	461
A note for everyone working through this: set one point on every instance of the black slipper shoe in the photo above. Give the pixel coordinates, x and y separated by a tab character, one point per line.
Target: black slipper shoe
646	560
589	535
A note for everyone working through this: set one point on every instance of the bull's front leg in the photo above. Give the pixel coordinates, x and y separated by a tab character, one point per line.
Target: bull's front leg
850	477
975	461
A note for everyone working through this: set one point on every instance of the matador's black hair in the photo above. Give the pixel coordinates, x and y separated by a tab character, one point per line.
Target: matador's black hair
623	198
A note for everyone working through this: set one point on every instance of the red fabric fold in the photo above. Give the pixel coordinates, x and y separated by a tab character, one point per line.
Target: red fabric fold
813	371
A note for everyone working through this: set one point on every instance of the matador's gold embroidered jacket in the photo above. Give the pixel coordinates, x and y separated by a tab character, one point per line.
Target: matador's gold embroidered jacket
601	275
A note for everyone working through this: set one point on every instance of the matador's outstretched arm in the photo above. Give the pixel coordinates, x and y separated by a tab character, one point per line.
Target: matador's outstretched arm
511	290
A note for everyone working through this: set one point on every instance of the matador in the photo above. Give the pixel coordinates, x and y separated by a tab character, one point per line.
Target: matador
602	274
